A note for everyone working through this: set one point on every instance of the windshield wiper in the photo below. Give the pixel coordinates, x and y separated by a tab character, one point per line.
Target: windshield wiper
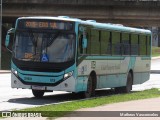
51	38
34	41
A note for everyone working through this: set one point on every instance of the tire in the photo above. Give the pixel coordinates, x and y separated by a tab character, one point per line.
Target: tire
129	83
91	86
38	93
119	90
128	87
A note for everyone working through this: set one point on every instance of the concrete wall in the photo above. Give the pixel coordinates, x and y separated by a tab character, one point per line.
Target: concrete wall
141	13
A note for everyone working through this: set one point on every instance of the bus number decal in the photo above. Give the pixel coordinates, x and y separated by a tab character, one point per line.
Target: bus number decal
28	55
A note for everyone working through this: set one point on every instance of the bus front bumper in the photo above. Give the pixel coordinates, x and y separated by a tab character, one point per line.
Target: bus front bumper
67	85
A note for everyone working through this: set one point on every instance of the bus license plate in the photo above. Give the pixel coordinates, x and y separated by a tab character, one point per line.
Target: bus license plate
38	87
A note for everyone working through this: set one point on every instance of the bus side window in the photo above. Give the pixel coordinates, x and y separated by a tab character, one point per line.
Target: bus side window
116	46
148	45
105	42
95	43
134	44
142	44
125	45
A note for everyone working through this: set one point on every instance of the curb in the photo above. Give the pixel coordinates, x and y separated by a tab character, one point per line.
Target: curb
155	71
154	58
5	71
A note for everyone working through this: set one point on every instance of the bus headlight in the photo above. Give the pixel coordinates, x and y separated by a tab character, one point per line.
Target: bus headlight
14	71
67	75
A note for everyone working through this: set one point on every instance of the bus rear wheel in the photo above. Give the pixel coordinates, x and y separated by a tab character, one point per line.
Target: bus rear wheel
128	87
38	93
129	83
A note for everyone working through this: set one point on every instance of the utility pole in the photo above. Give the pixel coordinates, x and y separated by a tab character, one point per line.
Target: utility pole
1	37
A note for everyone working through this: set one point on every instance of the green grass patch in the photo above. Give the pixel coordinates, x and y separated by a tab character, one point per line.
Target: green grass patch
155	51
59	110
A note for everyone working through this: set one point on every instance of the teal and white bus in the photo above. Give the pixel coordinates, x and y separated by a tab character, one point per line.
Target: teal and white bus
69	54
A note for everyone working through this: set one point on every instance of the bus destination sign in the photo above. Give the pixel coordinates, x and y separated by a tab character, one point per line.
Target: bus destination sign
39	24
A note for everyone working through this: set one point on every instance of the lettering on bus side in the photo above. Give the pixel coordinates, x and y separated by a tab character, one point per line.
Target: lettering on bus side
107	67
93	64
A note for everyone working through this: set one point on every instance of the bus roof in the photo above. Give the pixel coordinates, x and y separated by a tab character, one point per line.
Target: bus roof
64	18
93	23
117	27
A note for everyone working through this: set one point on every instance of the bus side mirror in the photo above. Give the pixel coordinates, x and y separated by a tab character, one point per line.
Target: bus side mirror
10	31
7	40
84	43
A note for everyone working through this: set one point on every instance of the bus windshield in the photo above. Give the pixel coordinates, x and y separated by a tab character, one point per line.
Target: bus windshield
41	46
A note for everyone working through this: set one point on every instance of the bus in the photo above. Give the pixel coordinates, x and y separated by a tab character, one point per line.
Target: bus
79	56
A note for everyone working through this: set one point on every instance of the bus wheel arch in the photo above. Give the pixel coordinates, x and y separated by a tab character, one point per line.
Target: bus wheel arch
91	85
132	73
129	82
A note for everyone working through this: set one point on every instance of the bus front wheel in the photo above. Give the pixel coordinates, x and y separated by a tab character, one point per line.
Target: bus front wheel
38	93
90	88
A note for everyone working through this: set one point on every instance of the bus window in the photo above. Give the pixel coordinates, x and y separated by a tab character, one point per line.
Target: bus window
105	42
148	45
142	44
134	44
88	32
125	44
116	43
80	48
95	43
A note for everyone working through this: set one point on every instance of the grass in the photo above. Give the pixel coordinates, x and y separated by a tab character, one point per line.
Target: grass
63	109
155	51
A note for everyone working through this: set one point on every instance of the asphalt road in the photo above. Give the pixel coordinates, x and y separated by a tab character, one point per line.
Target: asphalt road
155	64
11	99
